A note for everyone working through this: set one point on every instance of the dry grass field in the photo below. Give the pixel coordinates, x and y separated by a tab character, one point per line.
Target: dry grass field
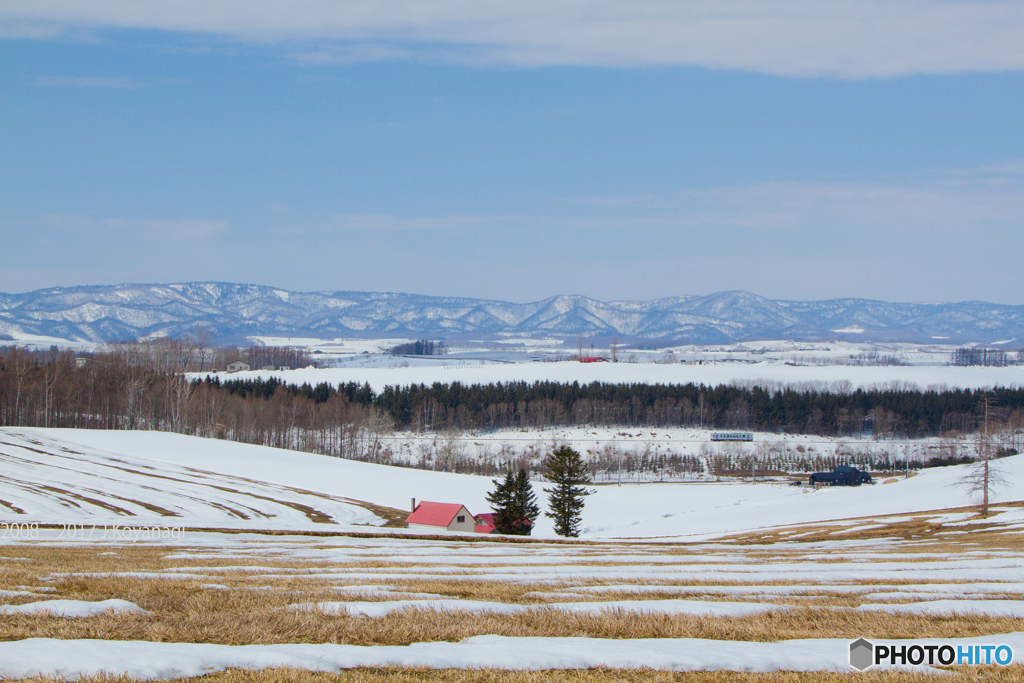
235	589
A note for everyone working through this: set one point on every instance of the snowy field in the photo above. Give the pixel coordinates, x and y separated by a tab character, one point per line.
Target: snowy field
155	478
476	371
701	576
367	352
677	454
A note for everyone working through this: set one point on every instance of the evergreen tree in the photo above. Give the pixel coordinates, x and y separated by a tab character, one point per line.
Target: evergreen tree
566	469
501	502
524	503
514	504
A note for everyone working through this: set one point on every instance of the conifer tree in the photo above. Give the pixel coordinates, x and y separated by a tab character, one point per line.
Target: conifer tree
566	469
524	503
514	504
501	502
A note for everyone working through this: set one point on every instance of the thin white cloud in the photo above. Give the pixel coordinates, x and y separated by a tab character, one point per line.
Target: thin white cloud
386	222
945	207
987	196
352	54
29	30
111	82
803	38
163	229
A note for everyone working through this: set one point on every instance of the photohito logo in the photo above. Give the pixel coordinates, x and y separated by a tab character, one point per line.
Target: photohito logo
864	654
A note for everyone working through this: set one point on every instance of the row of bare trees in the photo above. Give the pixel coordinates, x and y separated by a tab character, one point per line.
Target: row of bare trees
193	352
126	387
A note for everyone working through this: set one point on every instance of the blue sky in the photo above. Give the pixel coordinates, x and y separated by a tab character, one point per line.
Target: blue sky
797	150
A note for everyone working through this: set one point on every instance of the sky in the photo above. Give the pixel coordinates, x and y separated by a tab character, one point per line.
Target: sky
515	151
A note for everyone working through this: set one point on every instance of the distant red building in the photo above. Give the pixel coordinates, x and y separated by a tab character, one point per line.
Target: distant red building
441	516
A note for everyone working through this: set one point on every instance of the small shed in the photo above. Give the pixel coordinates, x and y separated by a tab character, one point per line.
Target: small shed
484	523
238	366
441	517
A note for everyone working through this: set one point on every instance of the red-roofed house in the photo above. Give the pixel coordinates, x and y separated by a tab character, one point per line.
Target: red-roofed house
441	516
484	523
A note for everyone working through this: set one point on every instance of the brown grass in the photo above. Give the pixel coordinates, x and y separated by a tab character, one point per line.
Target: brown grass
183	612
922	527
1010	674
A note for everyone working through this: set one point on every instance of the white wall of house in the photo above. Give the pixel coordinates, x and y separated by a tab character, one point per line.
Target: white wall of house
467	524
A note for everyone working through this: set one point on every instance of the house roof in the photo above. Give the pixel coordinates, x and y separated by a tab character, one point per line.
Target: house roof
487	525
434	514
484	523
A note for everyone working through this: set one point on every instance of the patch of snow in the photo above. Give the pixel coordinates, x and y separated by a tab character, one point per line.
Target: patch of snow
73	608
922	595
151	660
386	591
379	609
991	608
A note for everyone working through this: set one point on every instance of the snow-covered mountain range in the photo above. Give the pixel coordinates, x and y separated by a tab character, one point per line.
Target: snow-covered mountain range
102	313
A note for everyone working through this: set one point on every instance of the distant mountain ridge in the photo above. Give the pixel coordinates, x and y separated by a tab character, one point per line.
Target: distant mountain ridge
103	313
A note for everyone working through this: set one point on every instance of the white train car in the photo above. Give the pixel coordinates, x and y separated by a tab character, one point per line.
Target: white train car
732	436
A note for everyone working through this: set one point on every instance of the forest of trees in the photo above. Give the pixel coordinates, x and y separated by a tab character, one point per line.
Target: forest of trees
423	347
142	386
965	356
897	410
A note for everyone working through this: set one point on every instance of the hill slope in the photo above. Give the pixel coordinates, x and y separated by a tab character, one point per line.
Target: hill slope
136	478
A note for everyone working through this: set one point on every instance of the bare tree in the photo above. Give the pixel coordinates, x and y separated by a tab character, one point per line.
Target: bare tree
21	364
377	424
984	476
448	450
181	398
133	391
202	336
50	378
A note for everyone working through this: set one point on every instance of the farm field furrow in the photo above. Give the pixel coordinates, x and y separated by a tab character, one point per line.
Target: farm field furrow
781	589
